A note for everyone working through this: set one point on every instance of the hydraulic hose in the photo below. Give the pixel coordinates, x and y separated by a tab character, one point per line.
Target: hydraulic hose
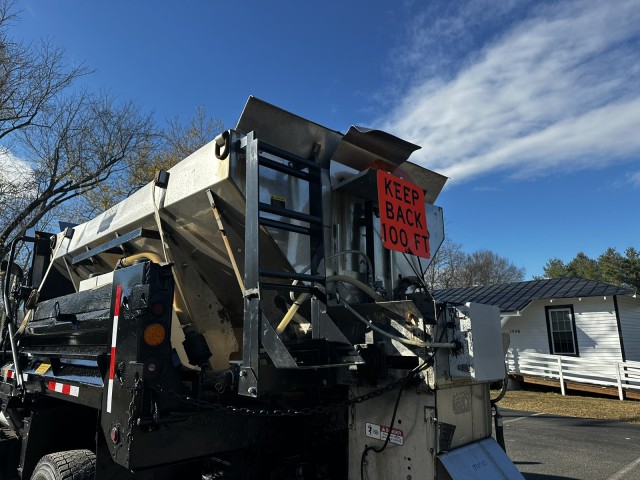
340	278
7	283
505	385
357	283
498	415
178	297
305	296
291	312
499	426
131	259
337	254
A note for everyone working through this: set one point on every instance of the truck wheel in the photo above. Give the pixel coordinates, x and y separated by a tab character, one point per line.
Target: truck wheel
70	465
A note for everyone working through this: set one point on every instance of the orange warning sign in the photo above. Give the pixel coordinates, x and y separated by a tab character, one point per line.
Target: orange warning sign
403	217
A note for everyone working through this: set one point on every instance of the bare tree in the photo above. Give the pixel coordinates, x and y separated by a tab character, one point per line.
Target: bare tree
67	143
451	267
446	266
176	142
484	267
31	76
83	141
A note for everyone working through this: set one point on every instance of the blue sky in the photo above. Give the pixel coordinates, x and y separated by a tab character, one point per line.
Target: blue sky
532	108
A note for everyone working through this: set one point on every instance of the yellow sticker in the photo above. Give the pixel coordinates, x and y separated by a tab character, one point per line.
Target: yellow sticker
278	201
42	369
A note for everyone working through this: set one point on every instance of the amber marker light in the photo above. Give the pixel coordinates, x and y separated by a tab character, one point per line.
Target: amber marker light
154	334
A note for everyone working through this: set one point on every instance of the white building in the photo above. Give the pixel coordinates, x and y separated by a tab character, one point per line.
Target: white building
563	316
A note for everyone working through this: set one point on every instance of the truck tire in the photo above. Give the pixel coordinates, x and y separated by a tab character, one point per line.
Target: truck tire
69	465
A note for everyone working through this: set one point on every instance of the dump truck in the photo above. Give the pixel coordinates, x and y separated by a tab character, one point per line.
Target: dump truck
258	311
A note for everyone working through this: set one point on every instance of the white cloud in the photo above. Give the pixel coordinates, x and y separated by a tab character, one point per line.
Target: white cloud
12	169
558	90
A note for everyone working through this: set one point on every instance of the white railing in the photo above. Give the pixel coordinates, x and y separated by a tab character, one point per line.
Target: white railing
620	375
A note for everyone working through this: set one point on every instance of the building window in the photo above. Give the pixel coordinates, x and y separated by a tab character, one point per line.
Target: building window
561	326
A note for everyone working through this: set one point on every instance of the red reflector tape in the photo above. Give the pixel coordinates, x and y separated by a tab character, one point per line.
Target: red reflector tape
64	388
8	374
12	374
112	363
114	337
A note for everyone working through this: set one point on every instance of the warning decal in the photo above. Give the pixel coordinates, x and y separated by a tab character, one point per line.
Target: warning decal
42	368
380	432
403	217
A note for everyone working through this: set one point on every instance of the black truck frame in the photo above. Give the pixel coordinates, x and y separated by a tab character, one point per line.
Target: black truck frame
86	381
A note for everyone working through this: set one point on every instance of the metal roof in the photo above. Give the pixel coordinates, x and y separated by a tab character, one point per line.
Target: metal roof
514	297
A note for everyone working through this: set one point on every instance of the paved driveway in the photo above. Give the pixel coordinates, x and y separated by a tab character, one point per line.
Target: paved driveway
550	447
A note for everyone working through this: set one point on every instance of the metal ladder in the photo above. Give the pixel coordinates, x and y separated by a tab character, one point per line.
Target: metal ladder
258	331
257	156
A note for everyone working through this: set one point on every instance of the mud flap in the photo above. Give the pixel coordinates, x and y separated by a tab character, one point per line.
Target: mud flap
483	460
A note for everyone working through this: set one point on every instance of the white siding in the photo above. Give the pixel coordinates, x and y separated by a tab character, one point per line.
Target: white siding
629	309
528	333
596	328
598	336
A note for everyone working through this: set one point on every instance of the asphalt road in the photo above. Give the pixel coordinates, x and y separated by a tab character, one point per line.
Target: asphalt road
550	447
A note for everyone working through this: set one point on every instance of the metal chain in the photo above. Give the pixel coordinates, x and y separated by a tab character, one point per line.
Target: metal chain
131	421
307	411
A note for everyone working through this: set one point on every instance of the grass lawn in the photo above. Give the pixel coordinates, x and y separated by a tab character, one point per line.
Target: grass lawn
573	405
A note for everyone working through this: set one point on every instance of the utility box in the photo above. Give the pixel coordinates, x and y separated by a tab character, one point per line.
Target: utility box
478	330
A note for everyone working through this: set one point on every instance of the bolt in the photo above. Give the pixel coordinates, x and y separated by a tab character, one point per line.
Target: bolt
252	390
243	373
